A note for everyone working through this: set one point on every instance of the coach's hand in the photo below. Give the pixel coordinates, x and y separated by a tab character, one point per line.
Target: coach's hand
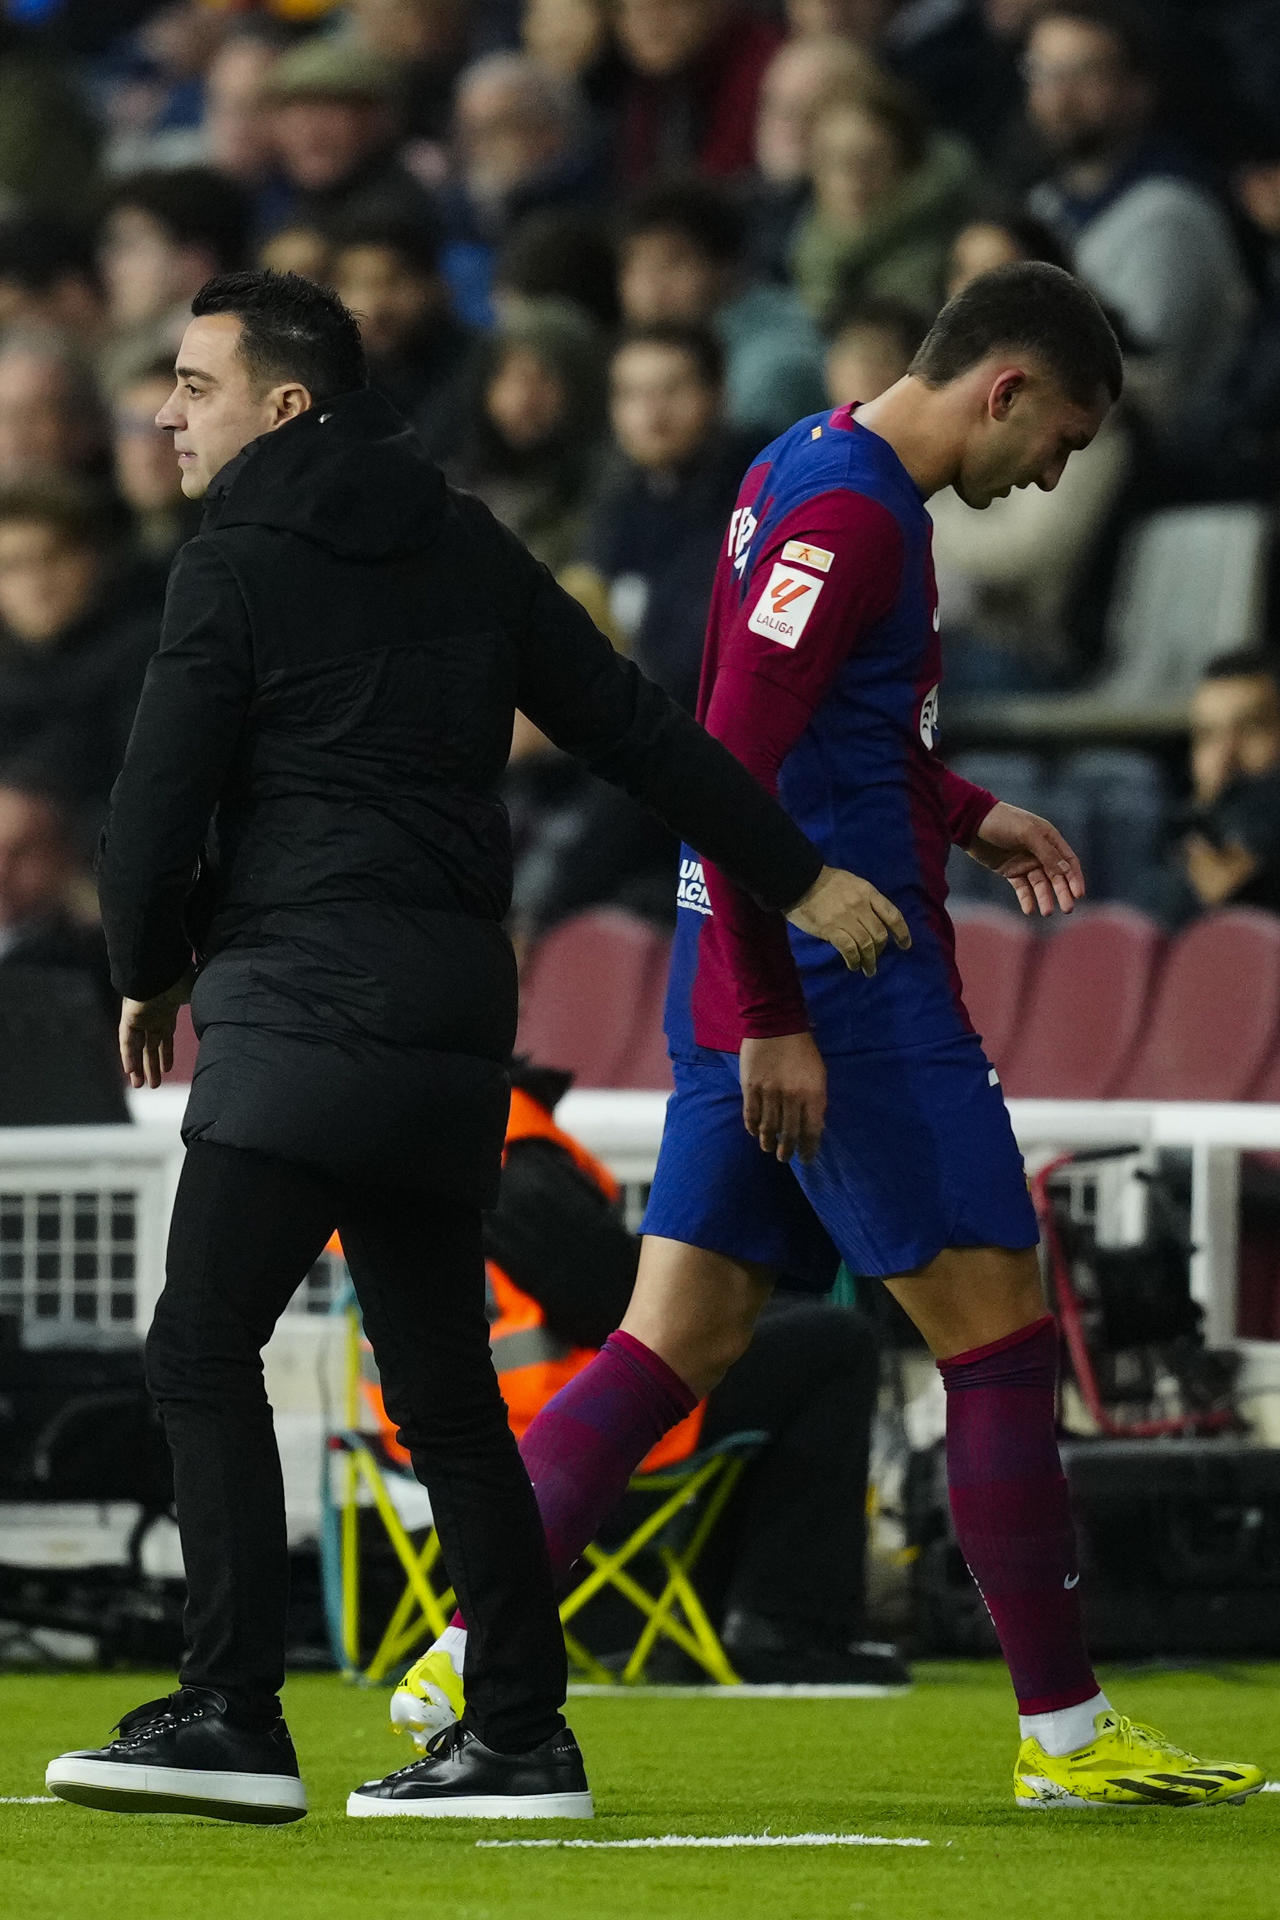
852	916
1032	856
146	1033
784	1093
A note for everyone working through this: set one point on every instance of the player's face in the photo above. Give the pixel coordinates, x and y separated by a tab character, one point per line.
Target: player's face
1027	432
215	409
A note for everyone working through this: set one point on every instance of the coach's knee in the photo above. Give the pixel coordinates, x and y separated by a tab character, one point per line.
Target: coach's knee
186	1361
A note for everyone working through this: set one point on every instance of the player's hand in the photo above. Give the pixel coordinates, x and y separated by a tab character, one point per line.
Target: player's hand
1032	856
146	1033
784	1093
852	916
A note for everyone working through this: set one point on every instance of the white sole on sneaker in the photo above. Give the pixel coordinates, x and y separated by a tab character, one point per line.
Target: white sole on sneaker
116	1786
487	1806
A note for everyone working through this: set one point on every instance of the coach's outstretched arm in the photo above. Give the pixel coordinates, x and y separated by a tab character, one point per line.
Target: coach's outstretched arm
600	708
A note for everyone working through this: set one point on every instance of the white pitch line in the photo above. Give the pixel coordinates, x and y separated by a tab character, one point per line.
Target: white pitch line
1271	1786
743	1692
725	1840
28	1800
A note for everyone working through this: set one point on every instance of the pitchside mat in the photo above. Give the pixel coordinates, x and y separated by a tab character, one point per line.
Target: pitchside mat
793	1808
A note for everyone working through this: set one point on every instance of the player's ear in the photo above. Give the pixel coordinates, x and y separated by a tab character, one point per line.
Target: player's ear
1002	395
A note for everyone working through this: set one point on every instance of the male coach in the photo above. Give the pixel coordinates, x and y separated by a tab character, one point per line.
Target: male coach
344	647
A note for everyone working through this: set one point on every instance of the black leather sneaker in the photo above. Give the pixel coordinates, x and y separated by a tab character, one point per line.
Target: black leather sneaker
460	1778
183	1754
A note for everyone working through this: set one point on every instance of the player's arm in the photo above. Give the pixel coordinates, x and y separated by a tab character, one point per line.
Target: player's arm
831	570
190	717
1023	848
598	706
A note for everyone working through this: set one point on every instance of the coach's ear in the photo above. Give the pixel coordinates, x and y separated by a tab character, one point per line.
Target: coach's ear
1002	395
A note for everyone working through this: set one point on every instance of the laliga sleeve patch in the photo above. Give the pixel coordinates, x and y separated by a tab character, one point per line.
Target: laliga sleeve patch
782	611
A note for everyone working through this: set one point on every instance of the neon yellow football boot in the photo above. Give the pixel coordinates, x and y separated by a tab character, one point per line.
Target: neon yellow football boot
1128	1765
429	1698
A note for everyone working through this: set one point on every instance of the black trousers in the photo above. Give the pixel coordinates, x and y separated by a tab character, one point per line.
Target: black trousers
246	1229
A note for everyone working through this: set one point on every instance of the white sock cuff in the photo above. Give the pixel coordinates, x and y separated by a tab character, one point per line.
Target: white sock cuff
1065	1731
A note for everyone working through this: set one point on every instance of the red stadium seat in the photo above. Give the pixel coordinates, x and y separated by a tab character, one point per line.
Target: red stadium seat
996	953
1215	1020
647	1063
1084	1015
582	993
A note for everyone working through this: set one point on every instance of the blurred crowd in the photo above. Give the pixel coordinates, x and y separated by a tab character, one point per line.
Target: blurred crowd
603	250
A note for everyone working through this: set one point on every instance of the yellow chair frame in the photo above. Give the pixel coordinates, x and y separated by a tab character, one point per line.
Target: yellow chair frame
695	1489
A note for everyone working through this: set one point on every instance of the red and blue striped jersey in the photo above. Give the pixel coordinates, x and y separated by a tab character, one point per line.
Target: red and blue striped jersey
821	672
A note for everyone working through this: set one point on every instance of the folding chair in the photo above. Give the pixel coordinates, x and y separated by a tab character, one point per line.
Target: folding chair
691	1496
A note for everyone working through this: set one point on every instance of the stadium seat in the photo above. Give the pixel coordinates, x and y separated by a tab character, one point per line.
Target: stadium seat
1082	1019
1191	583
646	1063
582	991
996	955
1215	1021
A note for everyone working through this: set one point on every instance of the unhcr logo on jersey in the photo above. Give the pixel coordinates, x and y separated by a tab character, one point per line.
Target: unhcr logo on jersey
692	890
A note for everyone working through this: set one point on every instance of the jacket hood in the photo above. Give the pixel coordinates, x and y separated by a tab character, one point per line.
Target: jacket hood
350	476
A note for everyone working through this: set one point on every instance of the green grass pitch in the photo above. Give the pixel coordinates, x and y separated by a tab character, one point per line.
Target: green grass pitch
933	1765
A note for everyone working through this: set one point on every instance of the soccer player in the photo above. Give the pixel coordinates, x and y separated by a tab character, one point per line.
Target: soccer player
874	1125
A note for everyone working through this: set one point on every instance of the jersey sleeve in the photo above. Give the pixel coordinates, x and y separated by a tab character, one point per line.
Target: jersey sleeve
831	569
967	806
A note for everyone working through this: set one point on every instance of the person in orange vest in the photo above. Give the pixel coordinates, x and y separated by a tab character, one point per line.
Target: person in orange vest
790	1568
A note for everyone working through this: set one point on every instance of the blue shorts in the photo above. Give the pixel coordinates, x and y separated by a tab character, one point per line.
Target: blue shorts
917	1154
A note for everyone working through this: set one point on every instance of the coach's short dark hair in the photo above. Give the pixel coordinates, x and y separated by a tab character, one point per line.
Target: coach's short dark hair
683	336
1027	307
292	330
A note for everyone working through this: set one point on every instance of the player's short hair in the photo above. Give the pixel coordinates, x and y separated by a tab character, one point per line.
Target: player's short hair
1026	307
1244	663
683	336
292	330
699	212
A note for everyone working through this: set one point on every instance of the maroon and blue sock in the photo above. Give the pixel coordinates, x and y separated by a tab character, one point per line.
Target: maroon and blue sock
1012	1513
586	1443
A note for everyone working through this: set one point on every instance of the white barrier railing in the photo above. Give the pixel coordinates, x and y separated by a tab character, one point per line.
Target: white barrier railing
84	1210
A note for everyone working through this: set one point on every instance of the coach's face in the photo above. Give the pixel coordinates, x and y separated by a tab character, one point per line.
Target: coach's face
217	406
1025	429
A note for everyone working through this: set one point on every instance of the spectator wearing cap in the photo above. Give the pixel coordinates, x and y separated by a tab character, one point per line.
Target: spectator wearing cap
531	438
387	271
336	119
523	143
1147	236
1224	845
163	233
72	658
694	73
886	197
682	260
